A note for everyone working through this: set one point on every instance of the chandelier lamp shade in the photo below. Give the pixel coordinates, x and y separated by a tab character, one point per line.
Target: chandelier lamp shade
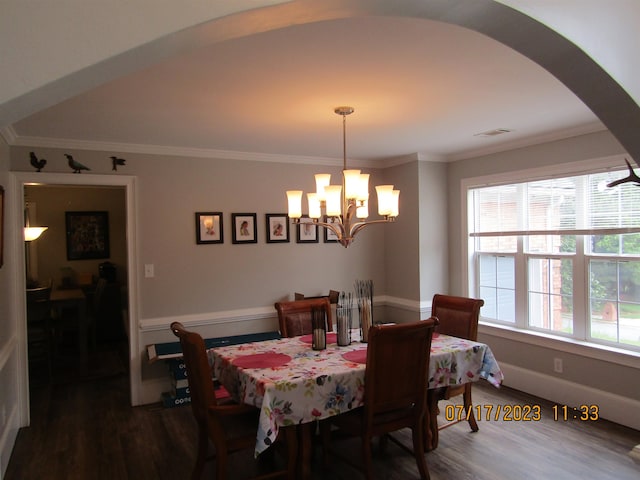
345	206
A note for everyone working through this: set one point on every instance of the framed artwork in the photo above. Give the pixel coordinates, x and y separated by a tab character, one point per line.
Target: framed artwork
307	231
1	226
209	227
329	235
277	227
87	235
244	228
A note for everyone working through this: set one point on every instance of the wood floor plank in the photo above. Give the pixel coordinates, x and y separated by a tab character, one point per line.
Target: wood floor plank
87	430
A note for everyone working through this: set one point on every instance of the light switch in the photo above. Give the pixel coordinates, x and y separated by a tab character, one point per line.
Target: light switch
148	270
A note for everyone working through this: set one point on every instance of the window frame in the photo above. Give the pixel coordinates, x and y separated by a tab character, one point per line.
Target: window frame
581	336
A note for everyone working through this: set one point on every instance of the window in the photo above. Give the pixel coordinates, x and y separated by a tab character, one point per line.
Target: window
559	255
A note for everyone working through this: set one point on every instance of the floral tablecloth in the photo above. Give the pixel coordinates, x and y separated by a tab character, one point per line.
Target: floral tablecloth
292	383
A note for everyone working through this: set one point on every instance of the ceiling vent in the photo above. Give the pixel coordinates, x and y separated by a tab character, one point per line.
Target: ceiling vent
493	133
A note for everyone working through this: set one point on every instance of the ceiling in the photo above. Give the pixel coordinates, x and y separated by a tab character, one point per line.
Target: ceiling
417	86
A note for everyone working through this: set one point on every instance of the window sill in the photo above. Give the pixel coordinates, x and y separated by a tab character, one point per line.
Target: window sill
569	345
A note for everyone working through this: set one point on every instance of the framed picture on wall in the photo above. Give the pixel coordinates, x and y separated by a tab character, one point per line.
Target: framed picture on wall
87	235
209	227
329	235
307	231
244	228
277	227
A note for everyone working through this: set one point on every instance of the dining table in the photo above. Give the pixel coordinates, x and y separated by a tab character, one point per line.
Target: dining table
293	384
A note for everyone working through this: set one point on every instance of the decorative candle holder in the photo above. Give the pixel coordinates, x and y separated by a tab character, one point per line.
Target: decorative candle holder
365	320
318	329
364	292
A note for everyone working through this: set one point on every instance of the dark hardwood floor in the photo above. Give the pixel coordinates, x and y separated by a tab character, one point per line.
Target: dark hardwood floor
85	429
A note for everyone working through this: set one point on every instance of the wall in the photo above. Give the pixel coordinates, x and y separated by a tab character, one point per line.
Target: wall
52	202
10	351
591	375
227	289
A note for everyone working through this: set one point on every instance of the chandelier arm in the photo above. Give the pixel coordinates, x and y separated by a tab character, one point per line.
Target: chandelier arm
356	227
337	228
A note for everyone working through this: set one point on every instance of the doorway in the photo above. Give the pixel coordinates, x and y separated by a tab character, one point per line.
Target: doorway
125	185
82	255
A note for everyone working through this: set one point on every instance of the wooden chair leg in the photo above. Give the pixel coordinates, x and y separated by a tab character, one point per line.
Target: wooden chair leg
418	450
222	458
291	436
367	457
431	423
203	446
468	407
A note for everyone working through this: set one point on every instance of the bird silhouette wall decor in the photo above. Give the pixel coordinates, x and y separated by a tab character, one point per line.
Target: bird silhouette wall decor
115	161
75	165
37	163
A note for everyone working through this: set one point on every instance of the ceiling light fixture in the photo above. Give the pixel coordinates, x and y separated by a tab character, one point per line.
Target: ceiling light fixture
346	206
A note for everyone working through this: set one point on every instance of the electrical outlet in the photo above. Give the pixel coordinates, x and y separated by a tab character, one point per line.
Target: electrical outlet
148	270
557	365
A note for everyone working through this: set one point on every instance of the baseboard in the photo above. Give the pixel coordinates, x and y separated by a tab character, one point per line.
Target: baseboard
616	408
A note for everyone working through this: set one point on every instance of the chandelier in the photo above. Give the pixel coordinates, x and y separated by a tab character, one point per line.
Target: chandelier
346	206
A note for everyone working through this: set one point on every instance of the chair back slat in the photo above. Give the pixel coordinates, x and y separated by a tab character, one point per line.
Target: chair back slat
294	318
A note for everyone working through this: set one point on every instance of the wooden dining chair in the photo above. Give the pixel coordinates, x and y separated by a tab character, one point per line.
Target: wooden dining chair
40	333
395	393
229	426
458	317
294	318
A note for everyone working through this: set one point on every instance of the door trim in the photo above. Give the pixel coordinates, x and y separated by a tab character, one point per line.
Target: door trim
18	180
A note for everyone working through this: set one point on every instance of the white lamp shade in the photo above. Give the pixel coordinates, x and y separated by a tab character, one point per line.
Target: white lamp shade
334	200
322	180
294	199
395	209
363	188
385	199
32	233
362	211
314	205
351	183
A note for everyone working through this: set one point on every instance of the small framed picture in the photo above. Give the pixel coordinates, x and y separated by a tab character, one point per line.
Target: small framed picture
277	227
329	235
244	228
209	227
307	231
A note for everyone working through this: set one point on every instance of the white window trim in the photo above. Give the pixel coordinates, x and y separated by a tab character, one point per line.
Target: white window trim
570	345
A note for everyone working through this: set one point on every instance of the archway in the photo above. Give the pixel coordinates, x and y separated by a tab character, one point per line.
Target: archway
573	67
